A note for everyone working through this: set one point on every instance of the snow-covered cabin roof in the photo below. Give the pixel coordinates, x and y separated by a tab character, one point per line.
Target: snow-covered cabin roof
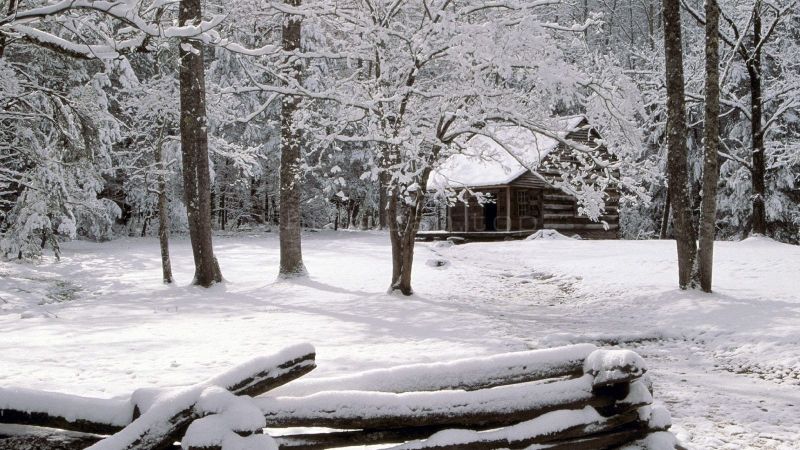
500	159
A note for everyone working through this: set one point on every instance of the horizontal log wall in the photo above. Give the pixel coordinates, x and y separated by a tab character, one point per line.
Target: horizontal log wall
561	209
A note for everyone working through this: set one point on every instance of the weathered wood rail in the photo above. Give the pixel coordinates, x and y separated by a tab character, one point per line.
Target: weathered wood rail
575	397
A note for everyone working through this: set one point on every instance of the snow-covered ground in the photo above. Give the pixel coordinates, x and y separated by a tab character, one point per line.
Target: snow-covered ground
727	365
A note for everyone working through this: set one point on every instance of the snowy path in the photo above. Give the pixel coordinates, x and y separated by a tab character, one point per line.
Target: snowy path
100	322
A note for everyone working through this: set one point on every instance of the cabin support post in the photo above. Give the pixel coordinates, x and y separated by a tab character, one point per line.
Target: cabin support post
540	199
508	208
466	215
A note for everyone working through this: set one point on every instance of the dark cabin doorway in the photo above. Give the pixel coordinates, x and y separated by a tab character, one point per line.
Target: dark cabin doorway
490	215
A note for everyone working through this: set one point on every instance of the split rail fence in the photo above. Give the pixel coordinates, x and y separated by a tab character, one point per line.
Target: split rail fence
567	398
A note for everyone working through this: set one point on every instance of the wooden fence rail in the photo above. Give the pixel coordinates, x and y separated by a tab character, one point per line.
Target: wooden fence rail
574	397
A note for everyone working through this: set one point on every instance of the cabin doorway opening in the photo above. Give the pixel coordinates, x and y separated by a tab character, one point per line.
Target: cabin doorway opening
490	216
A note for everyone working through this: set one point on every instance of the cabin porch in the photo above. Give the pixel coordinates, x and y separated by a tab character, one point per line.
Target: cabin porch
508	209
516	212
473	236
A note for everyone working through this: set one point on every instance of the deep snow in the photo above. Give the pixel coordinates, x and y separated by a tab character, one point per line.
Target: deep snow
727	365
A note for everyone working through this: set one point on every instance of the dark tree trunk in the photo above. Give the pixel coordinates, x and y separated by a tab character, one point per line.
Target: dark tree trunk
396	241
145	222
381	204
708	209
291	264
403	235
266	202
194	148
255	204
163	216
585	11
665	217
403	221
352	213
391	214
407	249
677	149
214	206
758	171
651	25
222	210
12	8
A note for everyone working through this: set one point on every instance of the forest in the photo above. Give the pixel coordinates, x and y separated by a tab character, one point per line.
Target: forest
149	118
189	184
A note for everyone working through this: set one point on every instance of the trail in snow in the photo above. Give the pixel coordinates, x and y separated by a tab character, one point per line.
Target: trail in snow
717	401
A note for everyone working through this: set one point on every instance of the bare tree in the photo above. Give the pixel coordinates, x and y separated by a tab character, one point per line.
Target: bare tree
194	148
677	149
291	263
708	212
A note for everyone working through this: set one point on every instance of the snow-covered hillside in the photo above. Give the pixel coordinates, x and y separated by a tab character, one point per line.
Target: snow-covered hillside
728	364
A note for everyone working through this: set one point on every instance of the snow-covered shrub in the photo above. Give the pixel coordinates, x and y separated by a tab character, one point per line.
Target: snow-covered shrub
55	147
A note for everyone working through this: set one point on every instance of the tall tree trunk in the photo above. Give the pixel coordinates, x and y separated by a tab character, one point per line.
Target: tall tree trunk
222	210
255	204
677	149
651	25
758	173
612	15
403	221
665	217
405	237
291	264
381	204
194	148
352	213
396	241
708	210
163	215
145	222
585	11
336	219
266	202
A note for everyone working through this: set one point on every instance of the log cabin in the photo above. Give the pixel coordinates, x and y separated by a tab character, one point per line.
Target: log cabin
507	185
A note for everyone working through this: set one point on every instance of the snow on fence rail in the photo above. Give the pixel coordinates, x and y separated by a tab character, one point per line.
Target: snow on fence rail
574	397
